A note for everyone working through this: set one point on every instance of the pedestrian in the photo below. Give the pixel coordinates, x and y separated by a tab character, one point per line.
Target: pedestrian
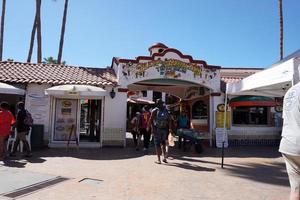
183	120
171	132
144	120
6	121
183	123
23	124
135	121
160	123
290	141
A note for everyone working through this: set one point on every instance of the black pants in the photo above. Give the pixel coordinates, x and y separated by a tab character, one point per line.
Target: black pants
135	136
146	134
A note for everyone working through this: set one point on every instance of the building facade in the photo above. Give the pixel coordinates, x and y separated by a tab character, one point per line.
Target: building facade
100	118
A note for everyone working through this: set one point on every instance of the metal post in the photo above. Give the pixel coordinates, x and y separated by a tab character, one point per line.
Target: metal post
224	127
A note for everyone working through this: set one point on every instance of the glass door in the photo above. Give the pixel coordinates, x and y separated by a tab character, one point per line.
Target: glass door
90	120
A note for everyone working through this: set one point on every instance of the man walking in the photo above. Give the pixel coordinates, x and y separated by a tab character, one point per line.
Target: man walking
23	128
290	141
161	123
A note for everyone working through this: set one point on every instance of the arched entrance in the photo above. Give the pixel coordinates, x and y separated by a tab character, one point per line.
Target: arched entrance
169	73
179	95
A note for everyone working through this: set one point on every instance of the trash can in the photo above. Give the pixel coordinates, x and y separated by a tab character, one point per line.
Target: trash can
37	136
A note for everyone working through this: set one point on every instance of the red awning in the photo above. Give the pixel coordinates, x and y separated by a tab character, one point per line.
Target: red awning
252	101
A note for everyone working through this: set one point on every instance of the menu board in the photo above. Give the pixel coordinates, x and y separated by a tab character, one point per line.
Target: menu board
220	119
65	117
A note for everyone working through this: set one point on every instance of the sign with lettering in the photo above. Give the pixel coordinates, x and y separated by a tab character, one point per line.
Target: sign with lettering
220	119
221	136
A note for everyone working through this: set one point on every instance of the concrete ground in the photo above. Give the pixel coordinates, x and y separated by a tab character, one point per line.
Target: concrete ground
252	173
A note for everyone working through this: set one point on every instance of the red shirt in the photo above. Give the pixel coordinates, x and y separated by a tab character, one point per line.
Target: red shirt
6	120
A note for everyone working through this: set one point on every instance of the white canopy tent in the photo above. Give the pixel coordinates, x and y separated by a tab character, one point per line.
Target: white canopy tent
76	91
9	89
273	81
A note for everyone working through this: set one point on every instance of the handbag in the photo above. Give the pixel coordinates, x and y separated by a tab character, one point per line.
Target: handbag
171	140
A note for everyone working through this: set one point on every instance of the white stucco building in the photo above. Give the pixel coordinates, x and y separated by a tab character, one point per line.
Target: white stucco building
97	118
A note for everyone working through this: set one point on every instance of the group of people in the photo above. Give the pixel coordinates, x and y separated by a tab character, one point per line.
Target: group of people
8	123
160	124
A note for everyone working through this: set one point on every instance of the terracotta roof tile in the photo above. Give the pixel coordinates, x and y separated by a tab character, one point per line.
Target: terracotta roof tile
55	74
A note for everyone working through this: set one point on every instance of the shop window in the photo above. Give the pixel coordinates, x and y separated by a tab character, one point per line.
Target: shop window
250	115
156	95
144	93
199	110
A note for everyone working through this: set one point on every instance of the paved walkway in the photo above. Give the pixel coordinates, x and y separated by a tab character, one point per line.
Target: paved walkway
252	173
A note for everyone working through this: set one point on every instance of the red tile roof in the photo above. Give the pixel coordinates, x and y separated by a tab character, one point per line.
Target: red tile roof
230	75
17	72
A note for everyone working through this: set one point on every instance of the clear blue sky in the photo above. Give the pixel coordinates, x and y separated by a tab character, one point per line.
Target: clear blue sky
229	33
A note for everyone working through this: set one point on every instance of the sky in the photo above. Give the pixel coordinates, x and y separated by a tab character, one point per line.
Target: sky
227	33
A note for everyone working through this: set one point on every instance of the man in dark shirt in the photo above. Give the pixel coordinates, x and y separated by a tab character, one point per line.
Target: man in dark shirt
160	124
22	131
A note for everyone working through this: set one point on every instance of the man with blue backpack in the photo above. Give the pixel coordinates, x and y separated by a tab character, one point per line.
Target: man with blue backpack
160	122
23	123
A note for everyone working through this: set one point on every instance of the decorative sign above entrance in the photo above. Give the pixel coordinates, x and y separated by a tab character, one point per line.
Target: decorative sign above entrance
166	69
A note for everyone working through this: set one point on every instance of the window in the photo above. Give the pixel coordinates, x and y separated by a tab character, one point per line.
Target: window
250	115
199	110
156	95
144	93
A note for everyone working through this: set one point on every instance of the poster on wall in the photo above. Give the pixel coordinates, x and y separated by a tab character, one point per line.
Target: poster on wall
39	108
65	118
220	119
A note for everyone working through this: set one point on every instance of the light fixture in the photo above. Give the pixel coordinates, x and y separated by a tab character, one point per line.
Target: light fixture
112	93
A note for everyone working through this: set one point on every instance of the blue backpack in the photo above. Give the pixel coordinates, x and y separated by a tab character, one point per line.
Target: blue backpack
161	119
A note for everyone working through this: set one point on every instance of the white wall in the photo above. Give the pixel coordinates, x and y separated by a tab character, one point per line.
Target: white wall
115	110
38	104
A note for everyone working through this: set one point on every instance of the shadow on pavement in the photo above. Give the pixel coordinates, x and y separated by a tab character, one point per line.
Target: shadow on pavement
236	152
105	153
273	173
14	163
20	162
189	166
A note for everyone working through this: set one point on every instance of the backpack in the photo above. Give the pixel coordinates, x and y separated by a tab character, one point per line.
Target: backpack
28	119
161	119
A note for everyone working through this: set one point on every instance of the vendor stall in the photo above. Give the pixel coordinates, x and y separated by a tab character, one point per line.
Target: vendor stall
77	114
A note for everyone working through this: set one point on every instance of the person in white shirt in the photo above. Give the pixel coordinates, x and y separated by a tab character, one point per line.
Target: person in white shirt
290	141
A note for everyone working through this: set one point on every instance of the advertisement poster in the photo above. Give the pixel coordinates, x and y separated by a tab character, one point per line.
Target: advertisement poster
65	118
220	119
39	108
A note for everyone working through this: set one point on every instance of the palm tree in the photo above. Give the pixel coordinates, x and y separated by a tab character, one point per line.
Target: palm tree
32	40
2	28
62	34
281	29
38	29
51	60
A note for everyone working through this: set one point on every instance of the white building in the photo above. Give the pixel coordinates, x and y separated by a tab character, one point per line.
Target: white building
98	116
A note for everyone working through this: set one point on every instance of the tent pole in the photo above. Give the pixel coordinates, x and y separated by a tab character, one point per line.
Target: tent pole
224	127
296	77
